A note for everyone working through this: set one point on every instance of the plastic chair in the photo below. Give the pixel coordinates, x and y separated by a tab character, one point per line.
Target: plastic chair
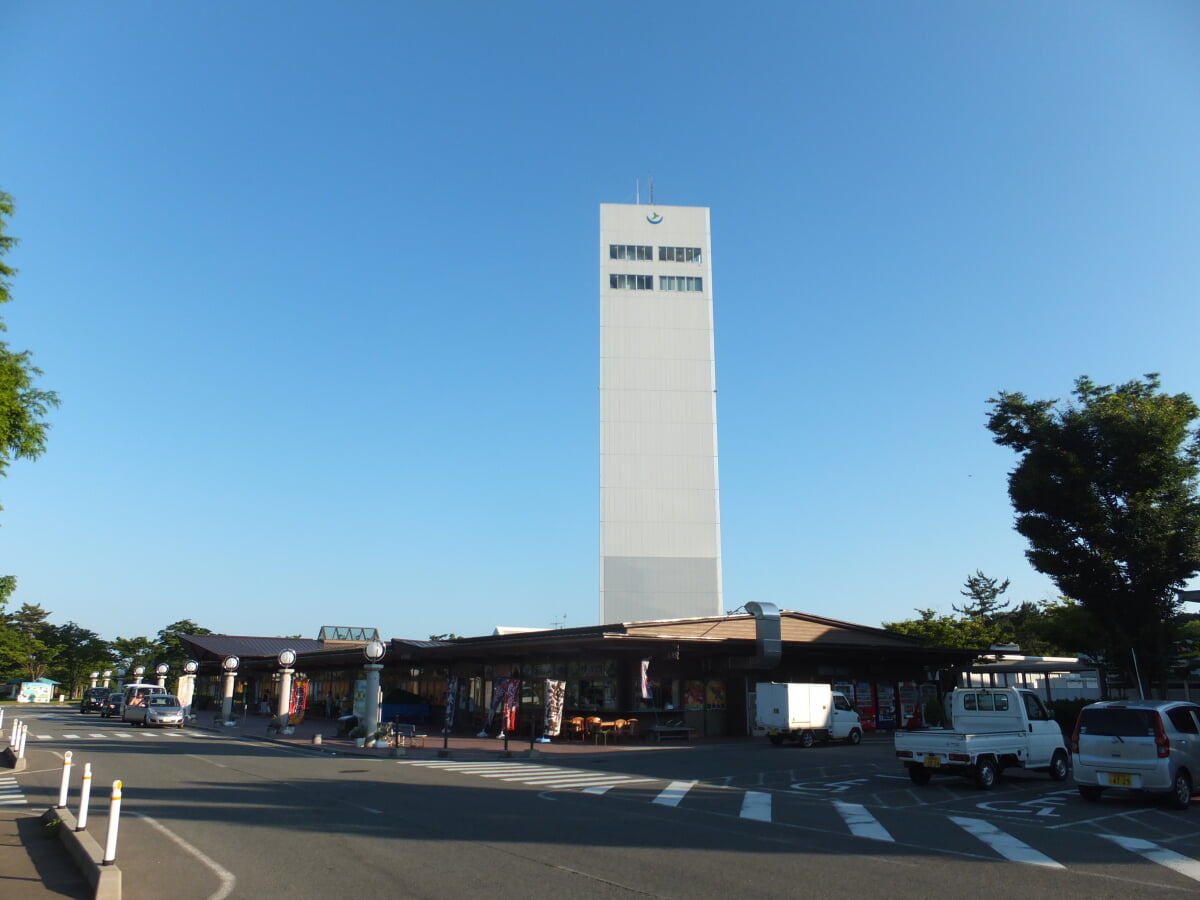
593	724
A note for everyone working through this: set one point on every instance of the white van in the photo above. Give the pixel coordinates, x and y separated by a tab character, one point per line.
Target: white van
135	695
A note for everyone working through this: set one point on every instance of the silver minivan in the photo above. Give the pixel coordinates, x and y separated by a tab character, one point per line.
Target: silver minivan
1140	745
135	696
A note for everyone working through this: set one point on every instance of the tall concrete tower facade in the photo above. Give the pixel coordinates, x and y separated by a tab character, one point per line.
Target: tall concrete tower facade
660	519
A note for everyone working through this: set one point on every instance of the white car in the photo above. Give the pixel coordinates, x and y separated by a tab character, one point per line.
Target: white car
156	709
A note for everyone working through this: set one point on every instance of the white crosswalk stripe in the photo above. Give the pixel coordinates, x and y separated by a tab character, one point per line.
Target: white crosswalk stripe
533	775
1161	855
10	792
1004	843
756	805
674	793
862	823
118	735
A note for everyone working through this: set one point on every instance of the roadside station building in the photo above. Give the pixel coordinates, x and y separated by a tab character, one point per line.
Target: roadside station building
699	672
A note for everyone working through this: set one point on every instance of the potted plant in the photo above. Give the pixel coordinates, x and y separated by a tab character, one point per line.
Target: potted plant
359	735
273	725
383	733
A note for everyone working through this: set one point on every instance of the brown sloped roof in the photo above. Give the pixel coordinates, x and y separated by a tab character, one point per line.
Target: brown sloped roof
794	627
222	645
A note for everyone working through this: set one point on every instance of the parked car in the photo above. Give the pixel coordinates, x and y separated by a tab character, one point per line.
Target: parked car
114	703
1140	745
156	709
93	699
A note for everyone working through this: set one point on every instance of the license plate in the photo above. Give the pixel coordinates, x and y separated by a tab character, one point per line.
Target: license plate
1119	779
933	762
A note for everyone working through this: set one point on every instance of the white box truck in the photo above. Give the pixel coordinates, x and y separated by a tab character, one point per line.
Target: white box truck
804	713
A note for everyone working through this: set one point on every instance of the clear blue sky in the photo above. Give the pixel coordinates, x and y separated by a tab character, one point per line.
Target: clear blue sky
317	284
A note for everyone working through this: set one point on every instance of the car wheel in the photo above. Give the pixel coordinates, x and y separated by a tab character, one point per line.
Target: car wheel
1181	795
777	740
986	775
1090	792
806	738
854	737
919	774
1060	768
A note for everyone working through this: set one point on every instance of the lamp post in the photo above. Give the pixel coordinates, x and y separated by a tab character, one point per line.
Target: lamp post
374	652
186	689
287	659
138	672
94	677
161	671
229	664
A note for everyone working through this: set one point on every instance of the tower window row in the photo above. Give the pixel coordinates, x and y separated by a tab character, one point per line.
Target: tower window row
679	283
646	283
679	254
665	254
630	251
632	282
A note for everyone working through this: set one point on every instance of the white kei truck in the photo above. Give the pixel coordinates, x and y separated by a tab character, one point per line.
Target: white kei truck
991	729
804	713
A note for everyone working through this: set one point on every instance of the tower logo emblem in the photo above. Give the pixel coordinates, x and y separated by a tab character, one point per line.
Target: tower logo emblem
654	218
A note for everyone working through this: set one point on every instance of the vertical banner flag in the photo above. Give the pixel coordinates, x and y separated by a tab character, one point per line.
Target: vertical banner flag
645	679
555	691
512	700
451	700
497	699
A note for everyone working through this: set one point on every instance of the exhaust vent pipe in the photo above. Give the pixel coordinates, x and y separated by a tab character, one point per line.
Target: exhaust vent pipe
768	638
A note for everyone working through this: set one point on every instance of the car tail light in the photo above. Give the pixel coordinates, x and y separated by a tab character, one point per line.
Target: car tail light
1074	748
1161	741
960	757
904	754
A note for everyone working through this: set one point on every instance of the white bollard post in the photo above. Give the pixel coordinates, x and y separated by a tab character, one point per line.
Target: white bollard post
85	795
65	784
12	735
21	741
114	817
2	719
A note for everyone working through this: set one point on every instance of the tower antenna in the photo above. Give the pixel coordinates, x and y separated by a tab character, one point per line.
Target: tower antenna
637	194
651	180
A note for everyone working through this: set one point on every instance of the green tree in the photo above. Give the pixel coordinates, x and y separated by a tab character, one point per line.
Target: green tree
935	630
77	651
170	649
1105	493
984	594
29	619
23	406
132	652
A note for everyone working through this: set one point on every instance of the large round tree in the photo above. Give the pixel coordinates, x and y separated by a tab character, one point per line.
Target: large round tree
1105	493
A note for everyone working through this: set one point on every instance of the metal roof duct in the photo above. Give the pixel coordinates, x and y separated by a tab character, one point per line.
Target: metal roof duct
768	637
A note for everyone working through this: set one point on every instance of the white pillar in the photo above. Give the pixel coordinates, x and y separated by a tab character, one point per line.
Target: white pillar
285	698
227	697
372	717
